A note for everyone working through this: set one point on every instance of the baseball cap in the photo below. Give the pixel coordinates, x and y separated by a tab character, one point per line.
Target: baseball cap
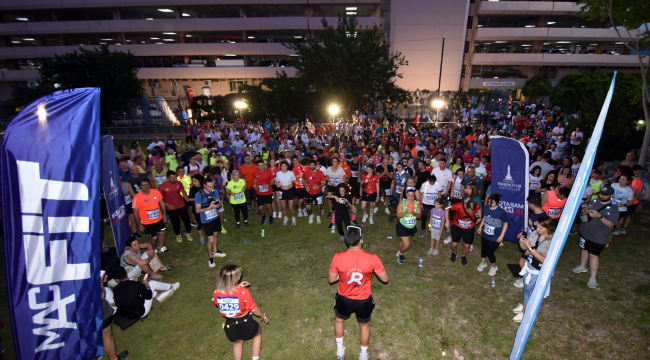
606	190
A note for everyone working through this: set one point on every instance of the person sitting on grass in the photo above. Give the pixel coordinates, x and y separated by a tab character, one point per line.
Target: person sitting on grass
135	261
133	299
237	305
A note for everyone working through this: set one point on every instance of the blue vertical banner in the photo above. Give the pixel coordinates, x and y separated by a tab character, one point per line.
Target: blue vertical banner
510	179
113	193
50	192
561	232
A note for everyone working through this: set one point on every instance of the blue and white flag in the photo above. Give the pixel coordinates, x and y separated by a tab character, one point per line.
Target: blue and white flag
510	179
561	232
113	193
50	193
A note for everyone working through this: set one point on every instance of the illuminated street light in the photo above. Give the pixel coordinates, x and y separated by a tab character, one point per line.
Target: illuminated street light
240	105
334	109
438	104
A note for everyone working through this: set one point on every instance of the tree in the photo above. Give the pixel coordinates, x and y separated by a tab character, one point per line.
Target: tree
584	94
348	65
282	97
538	86
628	18
114	72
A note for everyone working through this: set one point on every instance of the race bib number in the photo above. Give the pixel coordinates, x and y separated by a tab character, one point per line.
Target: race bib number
239	196
456	193
228	306
387	191
280	194
211	214
466	224
429	198
488	229
436	223
355	174
264	188
335	181
582	242
554	212
127	199
319	200
534	185
160	180
153	214
410	221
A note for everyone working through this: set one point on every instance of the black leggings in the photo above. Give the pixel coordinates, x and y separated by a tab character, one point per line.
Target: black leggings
339	218
175	216
240	207
426	209
488	248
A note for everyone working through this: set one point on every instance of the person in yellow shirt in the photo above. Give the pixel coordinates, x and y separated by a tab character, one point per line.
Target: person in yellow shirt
203	151
235	192
170	160
184	179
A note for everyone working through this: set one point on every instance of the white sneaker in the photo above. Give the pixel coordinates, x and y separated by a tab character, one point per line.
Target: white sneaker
579	269
218	254
481	267
519	283
275	215
435	252
164	295
471	247
375	210
293	221
615	232
518	317
299	212
317	219
363	356
622	231
356	202
341	354
387	211
493	270
311	218
176	285
371	221
304	213
333	229
430	252
447	240
518	309
286	220
365	217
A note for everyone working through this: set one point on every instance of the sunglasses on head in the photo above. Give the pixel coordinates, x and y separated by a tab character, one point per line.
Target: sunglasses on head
355	227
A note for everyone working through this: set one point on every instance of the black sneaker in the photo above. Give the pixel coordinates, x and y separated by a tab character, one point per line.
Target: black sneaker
453	258
263	220
271	220
238	226
245	222
463	261
329	215
355	223
123	355
401	259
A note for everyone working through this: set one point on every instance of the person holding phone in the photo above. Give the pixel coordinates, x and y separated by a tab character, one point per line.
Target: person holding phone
236	304
207	205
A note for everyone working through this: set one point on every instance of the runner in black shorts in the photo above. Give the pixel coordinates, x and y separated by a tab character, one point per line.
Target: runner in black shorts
385	173
462	228
353	270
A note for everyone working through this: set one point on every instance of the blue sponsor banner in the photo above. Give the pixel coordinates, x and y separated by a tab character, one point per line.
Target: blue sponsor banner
561	232
510	179
51	219
113	193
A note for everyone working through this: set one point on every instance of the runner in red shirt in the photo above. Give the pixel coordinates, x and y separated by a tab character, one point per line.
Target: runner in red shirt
299	171
370	186
353	270
264	178
315	181
463	227
236	304
189	139
175	196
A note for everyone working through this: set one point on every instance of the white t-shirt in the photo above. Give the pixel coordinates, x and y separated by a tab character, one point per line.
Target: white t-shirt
232	135
253	137
285	179
621	196
238	144
480	170
561	146
154	144
575	168
443	177
576	138
335	177
533	182
457	183
430	192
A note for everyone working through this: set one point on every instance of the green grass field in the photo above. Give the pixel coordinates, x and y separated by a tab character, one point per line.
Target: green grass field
420	313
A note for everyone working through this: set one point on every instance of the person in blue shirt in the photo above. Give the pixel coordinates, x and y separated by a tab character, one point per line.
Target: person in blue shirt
272	144
268	124
207	205
492	228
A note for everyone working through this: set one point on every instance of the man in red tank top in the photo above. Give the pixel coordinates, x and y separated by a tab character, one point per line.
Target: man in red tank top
353	270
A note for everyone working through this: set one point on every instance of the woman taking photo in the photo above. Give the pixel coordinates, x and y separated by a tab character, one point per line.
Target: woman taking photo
535	247
549	183
235	192
492	228
408	213
237	305
285	180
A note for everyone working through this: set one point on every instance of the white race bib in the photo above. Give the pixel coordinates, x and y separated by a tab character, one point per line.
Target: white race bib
554	212
488	229
264	188
319	200
160	179
456	193
355	174
411	221
466	224
280	194
534	185
430	198
582	242
127	199
335	181
387	191
436	223
211	214
239	196
153	214
228	306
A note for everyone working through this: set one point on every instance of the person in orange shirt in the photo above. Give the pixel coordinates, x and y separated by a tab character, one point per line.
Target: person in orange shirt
151	215
247	172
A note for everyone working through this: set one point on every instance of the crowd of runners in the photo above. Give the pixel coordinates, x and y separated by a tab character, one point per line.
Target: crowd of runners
354	172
